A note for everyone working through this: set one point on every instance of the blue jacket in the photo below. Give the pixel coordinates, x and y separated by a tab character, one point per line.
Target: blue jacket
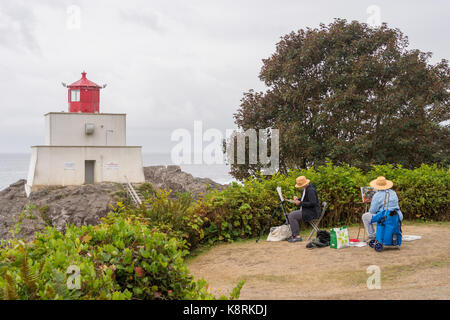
378	201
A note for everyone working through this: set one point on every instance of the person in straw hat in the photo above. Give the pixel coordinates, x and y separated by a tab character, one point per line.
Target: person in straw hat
383	187
309	207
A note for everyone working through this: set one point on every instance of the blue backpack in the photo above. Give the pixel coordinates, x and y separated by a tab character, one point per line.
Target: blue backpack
389	231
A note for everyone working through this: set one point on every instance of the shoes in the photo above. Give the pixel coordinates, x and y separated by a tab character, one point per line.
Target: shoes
295	239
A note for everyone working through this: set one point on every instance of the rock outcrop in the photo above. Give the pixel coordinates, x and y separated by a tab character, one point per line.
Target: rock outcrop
82	205
54	206
172	178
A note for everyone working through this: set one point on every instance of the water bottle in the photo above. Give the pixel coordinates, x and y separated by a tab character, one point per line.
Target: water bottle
394	239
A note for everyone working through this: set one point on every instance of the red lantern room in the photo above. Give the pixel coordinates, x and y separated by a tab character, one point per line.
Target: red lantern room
84	96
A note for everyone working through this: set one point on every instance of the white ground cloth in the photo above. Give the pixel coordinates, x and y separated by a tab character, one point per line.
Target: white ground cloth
410	238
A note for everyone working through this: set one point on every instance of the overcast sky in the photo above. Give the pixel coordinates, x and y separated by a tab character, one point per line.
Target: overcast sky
166	63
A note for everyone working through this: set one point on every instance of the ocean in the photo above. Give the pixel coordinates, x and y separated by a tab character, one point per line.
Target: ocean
14	167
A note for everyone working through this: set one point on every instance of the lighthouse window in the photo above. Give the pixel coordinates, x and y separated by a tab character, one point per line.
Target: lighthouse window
74	95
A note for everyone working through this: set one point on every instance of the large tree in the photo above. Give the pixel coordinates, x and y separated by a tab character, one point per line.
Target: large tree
351	93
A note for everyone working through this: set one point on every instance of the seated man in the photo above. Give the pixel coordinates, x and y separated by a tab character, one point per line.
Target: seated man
382	186
309	207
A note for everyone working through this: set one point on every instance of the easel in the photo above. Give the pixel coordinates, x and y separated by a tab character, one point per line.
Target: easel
366	209
280	205
366	205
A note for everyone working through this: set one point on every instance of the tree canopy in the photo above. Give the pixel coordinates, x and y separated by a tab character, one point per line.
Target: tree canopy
350	93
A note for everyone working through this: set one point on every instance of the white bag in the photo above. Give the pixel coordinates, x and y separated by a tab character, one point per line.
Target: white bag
279	233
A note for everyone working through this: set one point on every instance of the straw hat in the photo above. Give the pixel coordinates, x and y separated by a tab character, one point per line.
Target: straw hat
381	183
301	182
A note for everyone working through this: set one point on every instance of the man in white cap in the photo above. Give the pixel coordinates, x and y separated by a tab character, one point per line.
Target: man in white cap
309	207
383	187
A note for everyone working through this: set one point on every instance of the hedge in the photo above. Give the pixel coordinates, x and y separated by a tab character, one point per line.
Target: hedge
241	210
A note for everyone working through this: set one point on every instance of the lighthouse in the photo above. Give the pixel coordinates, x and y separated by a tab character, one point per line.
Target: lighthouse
84	146
84	95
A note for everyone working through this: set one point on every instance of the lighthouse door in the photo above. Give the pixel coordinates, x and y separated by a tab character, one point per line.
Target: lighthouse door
89	171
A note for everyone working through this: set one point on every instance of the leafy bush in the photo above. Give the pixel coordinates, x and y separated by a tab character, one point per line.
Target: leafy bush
242	210
423	192
118	259
174	216
138	253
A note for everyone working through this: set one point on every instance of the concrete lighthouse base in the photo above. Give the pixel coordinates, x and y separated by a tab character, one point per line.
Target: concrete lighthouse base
77	165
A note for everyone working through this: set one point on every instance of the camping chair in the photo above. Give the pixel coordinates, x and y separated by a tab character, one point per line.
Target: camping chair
315	223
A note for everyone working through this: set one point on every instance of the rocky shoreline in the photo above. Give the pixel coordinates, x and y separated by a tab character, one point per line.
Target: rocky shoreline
82	205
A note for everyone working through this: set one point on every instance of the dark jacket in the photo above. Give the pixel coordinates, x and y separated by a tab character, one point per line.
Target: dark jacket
310	204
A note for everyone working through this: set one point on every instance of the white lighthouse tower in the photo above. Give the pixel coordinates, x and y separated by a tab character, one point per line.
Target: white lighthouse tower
83	146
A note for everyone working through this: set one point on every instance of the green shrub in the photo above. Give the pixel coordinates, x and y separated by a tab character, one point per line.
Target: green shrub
118	259
423	192
174	216
241	210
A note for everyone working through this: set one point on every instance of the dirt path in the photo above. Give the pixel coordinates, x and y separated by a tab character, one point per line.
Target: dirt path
282	270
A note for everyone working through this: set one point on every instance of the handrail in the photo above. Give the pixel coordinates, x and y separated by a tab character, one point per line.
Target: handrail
133	193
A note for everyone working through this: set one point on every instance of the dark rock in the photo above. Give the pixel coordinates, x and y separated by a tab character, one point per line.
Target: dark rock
172	178
55	206
82	205
19	183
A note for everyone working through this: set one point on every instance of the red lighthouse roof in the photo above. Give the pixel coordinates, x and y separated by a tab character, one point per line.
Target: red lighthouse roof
84	82
84	96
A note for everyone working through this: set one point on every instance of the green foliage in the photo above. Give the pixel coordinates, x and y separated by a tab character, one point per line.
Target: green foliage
119	259
423	192
351	93
173	216
242	210
237	212
138	253
27	213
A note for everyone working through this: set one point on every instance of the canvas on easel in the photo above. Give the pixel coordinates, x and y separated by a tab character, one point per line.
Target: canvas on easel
280	194
367	194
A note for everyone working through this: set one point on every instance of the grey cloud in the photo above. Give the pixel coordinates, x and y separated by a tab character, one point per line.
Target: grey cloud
147	18
167	63
17	27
